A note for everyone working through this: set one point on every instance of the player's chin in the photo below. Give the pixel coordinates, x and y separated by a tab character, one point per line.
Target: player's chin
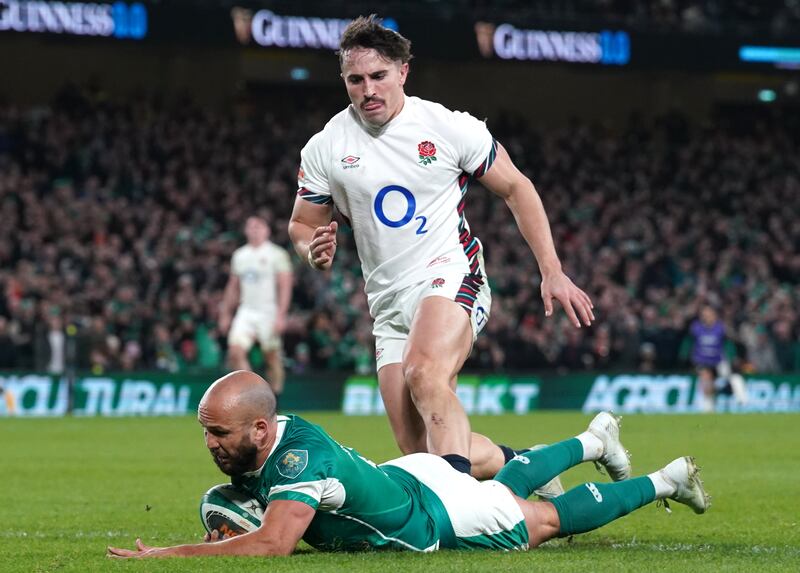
225	465
375	116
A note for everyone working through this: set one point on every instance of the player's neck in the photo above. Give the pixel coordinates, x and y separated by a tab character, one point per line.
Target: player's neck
256	245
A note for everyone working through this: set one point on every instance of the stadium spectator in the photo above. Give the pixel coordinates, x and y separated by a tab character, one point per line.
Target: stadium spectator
50	346
8	357
786	347
708	345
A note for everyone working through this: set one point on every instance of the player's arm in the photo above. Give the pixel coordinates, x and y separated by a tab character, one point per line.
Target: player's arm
505	180
313	233
283	526
230	300
285	281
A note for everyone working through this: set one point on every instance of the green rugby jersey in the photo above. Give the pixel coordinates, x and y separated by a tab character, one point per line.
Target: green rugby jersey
359	505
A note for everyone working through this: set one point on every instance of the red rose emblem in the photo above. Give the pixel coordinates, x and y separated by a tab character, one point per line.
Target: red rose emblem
427	149
427	152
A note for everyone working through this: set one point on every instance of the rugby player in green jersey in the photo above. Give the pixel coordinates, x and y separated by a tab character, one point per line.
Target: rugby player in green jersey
330	496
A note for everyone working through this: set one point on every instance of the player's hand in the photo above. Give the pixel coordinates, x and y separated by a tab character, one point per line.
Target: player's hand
576	303
224	323
280	324
140	552
322	247
215	536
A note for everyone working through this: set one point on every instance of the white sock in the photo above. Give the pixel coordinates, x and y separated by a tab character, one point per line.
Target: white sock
663	487
592	446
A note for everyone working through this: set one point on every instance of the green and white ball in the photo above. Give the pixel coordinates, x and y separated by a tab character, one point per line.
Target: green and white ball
230	511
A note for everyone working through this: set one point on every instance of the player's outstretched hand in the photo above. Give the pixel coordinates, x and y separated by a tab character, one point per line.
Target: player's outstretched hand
576	303
141	551
322	247
215	536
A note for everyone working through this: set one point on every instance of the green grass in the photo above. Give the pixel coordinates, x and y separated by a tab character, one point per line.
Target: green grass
73	486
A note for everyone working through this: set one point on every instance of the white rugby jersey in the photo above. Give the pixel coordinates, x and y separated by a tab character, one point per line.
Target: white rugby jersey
257	268
401	188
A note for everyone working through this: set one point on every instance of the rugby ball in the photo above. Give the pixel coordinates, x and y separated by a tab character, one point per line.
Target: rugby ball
230	511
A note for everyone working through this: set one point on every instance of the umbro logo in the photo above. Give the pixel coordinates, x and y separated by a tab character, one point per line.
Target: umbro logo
350	161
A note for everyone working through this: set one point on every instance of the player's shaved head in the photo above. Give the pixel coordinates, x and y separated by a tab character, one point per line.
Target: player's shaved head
237	413
240	396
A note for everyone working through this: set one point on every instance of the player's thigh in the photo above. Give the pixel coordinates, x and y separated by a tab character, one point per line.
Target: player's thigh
484	515
440	337
243	331
407	425
265	332
541	520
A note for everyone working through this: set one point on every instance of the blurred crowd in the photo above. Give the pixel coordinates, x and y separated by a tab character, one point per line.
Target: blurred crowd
119	220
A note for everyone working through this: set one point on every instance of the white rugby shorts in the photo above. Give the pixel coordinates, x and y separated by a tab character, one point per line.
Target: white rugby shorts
249	326
483	514
394	313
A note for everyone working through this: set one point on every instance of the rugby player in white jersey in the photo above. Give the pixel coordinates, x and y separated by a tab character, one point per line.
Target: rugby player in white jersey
397	169
260	285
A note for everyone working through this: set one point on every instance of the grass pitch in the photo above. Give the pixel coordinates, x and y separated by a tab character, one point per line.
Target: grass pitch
73	486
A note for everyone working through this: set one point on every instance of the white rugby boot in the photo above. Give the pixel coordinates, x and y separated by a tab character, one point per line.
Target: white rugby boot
615	459
689	490
551	489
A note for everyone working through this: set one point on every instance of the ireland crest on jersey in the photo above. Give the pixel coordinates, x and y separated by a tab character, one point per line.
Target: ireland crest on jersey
292	463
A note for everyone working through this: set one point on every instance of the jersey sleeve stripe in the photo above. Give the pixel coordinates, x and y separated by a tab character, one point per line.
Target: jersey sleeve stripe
317	198
484	167
295	496
310	489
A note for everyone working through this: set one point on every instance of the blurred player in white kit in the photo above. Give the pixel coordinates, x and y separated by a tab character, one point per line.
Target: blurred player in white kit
260	286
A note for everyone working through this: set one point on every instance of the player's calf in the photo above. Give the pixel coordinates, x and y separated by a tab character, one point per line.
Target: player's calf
531	470
593	505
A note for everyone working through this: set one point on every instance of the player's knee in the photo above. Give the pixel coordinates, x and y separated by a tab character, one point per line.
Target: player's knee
423	378
236	354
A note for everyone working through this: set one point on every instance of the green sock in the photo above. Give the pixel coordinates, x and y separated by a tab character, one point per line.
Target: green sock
592	505
533	469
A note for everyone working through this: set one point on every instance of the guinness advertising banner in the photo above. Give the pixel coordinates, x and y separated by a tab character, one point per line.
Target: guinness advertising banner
433	36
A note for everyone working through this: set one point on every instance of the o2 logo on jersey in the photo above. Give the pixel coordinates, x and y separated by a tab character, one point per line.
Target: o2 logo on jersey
411	208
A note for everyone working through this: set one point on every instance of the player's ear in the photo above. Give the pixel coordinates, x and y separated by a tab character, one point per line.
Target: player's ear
403	73
260	429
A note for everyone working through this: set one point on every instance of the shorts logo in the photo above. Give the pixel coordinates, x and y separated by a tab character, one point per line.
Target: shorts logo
521	459
439	261
480	316
427	152
350	162
378	353
293	463
437	283
301	175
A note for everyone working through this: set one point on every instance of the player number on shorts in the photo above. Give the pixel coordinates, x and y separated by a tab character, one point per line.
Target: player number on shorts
410	209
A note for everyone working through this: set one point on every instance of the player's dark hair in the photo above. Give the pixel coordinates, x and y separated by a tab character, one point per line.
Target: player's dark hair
367	32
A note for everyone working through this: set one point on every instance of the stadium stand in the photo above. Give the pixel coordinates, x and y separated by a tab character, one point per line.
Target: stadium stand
119	219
